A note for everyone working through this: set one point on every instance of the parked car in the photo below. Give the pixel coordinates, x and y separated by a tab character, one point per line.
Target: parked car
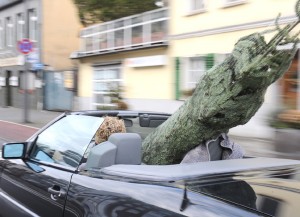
46	176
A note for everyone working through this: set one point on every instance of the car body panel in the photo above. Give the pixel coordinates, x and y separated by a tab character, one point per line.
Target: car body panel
109	197
37	186
29	188
267	185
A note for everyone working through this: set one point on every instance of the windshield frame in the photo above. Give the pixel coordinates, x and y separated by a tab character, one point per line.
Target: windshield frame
67	137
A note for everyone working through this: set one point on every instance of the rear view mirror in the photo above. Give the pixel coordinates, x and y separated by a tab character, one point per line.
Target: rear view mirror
13	150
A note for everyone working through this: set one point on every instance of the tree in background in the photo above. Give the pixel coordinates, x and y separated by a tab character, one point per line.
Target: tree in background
95	11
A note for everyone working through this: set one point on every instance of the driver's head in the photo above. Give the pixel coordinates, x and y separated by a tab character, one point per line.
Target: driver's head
109	126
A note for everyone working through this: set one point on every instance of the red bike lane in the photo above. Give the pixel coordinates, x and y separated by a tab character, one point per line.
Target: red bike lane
15	132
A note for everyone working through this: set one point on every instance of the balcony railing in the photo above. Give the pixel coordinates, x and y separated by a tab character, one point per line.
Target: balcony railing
146	29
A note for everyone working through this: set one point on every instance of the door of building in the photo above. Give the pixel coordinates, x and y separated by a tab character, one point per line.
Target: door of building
56	96
8	95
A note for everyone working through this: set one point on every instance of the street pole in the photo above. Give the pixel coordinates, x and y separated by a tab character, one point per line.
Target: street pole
26	97
26	68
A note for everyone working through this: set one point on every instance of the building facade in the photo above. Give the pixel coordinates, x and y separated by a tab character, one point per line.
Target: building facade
52	26
158	57
130	56
202	33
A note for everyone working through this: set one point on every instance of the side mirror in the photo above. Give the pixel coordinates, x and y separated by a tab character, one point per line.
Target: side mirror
13	150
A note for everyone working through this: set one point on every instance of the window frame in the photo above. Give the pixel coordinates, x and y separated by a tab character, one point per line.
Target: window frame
9	32
1	35
20	26
231	3
47	142
106	36
191	71
97	81
33	25
192	10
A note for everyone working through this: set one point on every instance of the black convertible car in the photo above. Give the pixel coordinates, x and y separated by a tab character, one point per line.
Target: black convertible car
46	176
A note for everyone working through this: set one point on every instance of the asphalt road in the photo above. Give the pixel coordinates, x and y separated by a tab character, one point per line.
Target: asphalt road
10	132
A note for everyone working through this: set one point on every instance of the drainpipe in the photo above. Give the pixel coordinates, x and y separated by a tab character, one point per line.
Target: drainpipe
298	82
177	78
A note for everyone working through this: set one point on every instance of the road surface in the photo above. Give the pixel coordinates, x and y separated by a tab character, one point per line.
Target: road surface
13	132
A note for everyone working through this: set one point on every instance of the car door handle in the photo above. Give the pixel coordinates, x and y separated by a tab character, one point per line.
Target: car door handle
56	192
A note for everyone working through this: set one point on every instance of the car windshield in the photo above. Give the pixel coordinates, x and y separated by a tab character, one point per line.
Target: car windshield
69	136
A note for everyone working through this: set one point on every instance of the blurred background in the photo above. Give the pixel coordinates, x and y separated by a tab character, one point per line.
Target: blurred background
143	55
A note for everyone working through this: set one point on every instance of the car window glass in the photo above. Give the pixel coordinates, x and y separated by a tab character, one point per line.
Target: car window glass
65	141
236	191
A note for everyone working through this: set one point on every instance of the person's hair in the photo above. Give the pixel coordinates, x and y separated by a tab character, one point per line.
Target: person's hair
109	126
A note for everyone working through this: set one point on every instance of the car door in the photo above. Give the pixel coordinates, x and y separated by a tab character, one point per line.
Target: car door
38	184
90	195
26	191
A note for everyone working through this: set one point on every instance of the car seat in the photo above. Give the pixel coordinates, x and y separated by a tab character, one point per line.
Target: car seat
120	148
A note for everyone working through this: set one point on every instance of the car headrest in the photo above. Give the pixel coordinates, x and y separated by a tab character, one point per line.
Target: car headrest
121	148
102	155
129	148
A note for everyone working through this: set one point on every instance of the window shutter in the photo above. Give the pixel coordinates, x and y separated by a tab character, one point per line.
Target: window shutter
209	61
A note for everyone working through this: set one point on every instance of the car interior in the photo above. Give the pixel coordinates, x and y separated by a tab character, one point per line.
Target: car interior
126	148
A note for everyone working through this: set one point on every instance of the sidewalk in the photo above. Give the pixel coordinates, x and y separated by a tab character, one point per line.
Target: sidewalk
37	118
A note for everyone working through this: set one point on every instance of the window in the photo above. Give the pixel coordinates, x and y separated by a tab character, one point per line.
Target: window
119	38
234	1
1	35
290	82
229	3
157	30
9	32
65	141
196	5
118	34
106	85
103	42
196	69
146	28
235	191
89	43
267	204
33	26
20	26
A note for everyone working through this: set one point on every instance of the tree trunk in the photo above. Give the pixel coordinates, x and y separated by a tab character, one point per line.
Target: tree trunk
228	95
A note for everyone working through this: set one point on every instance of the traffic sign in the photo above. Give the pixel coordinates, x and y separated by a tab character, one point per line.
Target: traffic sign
37	66
25	46
33	56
